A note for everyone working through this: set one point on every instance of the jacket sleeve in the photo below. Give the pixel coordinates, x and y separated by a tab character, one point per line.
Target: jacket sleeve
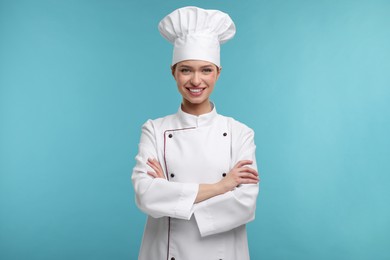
237	207
158	197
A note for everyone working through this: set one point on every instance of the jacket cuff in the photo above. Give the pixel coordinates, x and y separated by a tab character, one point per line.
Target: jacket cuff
204	212
185	205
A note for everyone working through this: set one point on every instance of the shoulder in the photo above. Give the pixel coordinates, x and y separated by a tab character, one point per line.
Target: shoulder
238	128
158	123
242	136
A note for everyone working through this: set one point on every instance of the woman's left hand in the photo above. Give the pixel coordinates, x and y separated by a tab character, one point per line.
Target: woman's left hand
156	166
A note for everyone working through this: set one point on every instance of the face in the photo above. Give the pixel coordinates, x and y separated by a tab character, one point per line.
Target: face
195	81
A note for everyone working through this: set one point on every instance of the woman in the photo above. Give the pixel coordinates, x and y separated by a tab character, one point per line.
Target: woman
195	175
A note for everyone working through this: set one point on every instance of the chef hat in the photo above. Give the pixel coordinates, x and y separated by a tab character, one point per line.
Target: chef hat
196	34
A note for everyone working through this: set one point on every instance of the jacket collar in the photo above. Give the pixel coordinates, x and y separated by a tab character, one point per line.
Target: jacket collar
189	120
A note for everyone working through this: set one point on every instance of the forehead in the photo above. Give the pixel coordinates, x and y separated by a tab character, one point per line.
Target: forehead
194	63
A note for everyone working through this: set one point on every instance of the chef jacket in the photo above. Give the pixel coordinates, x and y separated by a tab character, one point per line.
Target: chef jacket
193	150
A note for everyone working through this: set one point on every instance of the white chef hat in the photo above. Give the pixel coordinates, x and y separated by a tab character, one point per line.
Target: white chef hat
196	33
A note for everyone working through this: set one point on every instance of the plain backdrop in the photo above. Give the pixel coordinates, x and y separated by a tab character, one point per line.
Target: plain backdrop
78	78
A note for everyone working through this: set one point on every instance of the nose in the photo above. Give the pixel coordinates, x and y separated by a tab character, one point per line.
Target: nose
195	79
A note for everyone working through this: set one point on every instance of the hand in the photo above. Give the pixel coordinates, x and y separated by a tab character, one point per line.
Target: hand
156	166
240	174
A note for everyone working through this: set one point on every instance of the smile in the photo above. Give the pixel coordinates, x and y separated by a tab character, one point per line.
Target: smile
196	90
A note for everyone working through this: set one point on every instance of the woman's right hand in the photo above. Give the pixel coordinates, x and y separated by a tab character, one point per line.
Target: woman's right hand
156	166
239	174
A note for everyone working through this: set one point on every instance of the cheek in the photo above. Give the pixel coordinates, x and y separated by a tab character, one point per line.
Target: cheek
181	80
211	79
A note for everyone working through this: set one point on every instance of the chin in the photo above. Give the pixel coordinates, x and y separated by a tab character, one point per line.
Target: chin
196	100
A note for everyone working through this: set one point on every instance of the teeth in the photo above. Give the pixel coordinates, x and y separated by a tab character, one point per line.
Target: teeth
195	90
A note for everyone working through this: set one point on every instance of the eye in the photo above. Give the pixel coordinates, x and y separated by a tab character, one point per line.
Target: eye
207	70
185	71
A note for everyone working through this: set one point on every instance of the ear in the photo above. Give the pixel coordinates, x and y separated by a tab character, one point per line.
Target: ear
173	68
218	72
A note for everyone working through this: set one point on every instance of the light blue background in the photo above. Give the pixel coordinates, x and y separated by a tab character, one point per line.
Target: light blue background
78	78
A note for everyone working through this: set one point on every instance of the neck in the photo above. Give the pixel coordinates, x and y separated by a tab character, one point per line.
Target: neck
196	109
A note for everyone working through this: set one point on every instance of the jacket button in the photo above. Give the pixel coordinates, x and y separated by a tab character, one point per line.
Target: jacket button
170	135
224	174
172	258
224	134
172	175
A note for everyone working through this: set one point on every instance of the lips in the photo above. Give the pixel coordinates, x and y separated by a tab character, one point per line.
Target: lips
196	91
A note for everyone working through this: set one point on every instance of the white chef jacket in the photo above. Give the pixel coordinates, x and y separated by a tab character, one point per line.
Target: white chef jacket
193	150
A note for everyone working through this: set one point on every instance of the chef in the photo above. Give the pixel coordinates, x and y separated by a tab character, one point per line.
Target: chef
195	174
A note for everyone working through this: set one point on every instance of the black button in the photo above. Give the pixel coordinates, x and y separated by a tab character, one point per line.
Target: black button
172	258
172	175
224	134
224	174
170	135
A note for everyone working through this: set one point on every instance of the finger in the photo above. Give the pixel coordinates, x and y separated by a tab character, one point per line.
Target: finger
156	168
242	163
249	169
156	163
160	174
249	172
249	176
249	181
152	160
152	166
153	174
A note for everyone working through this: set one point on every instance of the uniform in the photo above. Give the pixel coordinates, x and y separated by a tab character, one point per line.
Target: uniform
193	150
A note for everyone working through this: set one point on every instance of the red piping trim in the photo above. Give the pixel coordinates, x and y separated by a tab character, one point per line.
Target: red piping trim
167	176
